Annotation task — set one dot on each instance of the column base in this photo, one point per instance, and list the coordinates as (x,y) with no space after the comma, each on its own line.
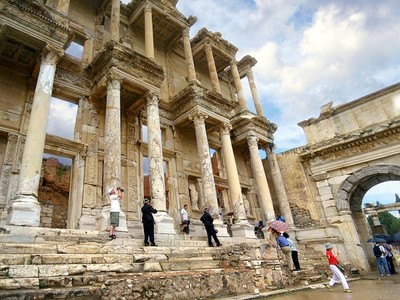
(24,211)
(87,222)
(164,224)
(243,229)
(104,220)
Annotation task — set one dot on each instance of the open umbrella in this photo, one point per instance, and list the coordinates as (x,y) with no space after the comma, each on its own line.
(376,240)
(386,237)
(279,226)
(396,237)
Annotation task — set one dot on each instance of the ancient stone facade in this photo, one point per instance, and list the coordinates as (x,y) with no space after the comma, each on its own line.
(145,91)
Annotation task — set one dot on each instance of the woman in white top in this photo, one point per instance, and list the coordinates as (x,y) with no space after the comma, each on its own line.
(115,209)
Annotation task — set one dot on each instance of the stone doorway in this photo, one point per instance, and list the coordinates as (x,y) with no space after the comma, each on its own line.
(351,194)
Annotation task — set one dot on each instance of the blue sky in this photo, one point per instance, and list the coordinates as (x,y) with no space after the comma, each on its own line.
(309,52)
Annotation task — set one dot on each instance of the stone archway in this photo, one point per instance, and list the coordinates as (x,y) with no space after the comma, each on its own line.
(352,192)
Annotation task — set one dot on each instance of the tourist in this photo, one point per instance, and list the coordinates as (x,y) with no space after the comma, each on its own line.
(295,257)
(380,257)
(115,209)
(337,274)
(284,245)
(208,222)
(148,222)
(258,230)
(185,220)
(389,258)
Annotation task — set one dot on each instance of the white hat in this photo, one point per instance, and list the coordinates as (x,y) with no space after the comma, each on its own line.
(110,190)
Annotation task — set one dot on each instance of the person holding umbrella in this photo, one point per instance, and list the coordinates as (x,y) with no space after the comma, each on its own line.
(277,228)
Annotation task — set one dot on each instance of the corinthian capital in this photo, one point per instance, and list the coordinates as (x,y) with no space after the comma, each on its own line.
(51,55)
(252,141)
(225,128)
(198,118)
(151,99)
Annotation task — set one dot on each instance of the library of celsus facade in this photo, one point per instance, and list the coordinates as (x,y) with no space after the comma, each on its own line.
(148,96)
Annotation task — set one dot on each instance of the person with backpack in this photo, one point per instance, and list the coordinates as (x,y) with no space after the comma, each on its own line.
(380,256)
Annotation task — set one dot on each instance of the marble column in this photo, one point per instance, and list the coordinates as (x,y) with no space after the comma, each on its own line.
(212,69)
(238,85)
(87,56)
(241,227)
(148,32)
(164,223)
(279,186)
(188,55)
(25,208)
(112,150)
(254,92)
(115,20)
(261,179)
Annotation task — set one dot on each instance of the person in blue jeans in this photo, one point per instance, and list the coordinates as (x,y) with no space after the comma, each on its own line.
(381,260)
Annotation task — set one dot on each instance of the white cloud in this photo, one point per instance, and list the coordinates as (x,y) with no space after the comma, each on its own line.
(62,117)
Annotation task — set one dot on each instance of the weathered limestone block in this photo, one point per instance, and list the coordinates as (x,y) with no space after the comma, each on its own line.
(152,267)
(21,271)
(20,283)
(53,270)
(26,248)
(149,257)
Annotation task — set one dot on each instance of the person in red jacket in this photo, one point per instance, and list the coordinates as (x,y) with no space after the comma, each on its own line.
(337,275)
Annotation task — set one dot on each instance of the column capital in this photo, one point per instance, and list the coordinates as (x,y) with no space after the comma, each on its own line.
(147,8)
(113,84)
(152,98)
(252,141)
(51,55)
(233,61)
(225,128)
(198,118)
(186,32)
(208,46)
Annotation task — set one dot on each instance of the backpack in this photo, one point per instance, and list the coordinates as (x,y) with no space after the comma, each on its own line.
(377,251)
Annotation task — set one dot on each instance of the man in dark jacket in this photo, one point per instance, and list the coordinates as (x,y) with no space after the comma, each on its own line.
(208,222)
(148,222)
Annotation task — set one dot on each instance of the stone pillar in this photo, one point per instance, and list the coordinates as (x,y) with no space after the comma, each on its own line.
(212,69)
(254,92)
(238,85)
(241,227)
(112,151)
(25,207)
(164,223)
(188,55)
(87,56)
(261,179)
(148,32)
(115,20)
(279,186)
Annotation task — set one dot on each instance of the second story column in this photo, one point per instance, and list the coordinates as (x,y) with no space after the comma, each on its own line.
(212,69)
(115,20)
(25,208)
(254,92)
(148,32)
(261,180)
(188,55)
(164,223)
(241,227)
(238,85)
(279,186)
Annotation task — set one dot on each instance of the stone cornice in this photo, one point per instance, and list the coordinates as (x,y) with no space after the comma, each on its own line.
(216,40)
(64,146)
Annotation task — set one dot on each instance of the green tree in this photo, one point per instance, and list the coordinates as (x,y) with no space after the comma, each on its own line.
(391,223)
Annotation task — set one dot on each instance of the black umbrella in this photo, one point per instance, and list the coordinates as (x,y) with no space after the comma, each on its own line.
(396,237)
(376,240)
(386,237)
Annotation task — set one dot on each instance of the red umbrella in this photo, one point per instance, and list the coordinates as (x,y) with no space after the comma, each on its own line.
(279,226)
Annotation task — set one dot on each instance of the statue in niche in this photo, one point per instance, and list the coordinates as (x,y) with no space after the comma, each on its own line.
(194,196)
(246,204)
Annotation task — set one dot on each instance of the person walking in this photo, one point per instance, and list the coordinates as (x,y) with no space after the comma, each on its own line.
(380,257)
(295,253)
(258,230)
(283,243)
(337,275)
(185,219)
(148,222)
(389,258)
(115,209)
(208,222)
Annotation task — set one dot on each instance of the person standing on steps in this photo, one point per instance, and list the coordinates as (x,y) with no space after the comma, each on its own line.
(115,209)
(337,275)
(148,222)
(185,219)
(295,253)
(208,222)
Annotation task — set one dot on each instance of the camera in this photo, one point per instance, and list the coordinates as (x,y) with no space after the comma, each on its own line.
(120,189)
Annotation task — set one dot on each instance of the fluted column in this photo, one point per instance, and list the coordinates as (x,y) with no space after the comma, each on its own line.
(148,32)
(254,92)
(115,20)
(238,85)
(261,179)
(279,186)
(207,176)
(188,55)
(164,223)
(212,68)
(25,208)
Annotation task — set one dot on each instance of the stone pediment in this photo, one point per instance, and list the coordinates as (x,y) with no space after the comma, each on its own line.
(131,67)
(196,97)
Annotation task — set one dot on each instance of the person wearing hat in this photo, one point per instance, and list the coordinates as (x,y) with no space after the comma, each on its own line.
(148,222)
(208,222)
(337,274)
(115,209)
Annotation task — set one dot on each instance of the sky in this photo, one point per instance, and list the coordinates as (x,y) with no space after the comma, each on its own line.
(309,52)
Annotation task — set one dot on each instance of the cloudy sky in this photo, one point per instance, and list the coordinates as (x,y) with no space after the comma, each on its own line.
(309,52)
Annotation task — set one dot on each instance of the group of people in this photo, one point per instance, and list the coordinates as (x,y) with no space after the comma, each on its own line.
(384,258)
